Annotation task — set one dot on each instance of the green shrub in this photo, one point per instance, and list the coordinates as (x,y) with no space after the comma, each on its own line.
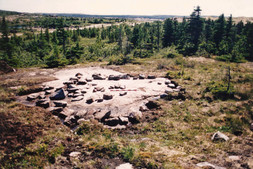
(121,60)
(235,125)
(220,90)
(128,153)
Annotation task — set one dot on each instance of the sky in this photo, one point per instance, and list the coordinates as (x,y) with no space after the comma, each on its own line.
(132,7)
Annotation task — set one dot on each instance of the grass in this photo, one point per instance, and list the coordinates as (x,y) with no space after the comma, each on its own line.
(179,138)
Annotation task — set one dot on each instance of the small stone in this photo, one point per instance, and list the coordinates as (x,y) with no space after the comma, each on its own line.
(88,79)
(78,74)
(159,83)
(48,88)
(79,98)
(32,97)
(99,100)
(113,77)
(72,90)
(151,77)
(176,90)
(81,114)
(169,90)
(83,91)
(123,93)
(107,96)
(112,121)
(75,154)
(251,126)
(171,85)
(167,82)
(141,76)
(73,79)
(43,103)
(55,110)
(135,78)
(68,83)
(234,158)
(206,164)
(48,92)
(126,77)
(125,166)
(219,136)
(123,120)
(102,115)
(162,96)
(179,87)
(42,96)
(66,113)
(98,77)
(80,121)
(60,104)
(81,82)
(90,100)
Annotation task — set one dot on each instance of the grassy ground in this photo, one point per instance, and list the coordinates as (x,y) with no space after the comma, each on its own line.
(178,135)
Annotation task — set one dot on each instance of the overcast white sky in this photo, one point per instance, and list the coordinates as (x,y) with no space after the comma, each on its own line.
(132,7)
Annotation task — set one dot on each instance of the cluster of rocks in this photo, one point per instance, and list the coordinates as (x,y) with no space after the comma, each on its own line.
(58,100)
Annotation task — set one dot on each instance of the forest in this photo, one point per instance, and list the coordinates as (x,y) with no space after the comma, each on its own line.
(123,43)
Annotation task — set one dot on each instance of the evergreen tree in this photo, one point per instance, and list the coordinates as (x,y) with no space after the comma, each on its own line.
(195,28)
(168,35)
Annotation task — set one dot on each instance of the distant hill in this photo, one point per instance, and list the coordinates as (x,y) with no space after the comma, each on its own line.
(113,16)
(3,12)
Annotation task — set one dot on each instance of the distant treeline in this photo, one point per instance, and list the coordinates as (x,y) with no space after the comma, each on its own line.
(194,36)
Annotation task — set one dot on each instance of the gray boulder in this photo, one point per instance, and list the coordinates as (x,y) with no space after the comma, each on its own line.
(58,95)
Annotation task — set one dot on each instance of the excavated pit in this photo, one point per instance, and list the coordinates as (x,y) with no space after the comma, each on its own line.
(114,99)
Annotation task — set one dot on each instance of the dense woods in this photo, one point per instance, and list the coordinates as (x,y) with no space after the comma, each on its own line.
(222,38)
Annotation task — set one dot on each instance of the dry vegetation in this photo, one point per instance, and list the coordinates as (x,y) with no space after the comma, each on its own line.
(177,136)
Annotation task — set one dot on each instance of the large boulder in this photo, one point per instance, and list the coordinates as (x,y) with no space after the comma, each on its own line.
(58,95)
